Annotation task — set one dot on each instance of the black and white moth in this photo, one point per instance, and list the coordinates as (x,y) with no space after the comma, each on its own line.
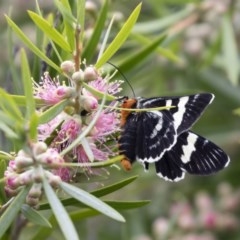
(163,137)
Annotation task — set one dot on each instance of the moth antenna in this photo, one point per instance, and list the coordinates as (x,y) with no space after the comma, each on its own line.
(119,70)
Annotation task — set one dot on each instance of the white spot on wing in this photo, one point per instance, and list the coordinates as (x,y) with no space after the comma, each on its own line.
(169,103)
(189,148)
(178,116)
(158,127)
(172,180)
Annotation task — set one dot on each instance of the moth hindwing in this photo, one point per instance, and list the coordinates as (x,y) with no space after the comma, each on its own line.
(164,137)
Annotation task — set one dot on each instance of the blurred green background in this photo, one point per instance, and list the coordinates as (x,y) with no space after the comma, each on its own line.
(205,37)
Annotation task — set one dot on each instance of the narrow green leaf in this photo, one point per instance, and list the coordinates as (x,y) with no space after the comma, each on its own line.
(90,48)
(114,187)
(9,132)
(120,38)
(105,39)
(21,100)
(3,167)
(230,50)
(91,201)
(50,31)
(97,193)
(158,25)
(167,53)
(81,17)
(68,20)
(27,84)
(141,55)
(33,125)
(9,106)
(34,216)
(43,232)
(237,111)
(30,45)
(12,211)
(85,213)
(128,204)
(65,223)
(53,111)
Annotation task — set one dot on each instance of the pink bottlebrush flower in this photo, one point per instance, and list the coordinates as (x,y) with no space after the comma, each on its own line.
(106,124)
(97,153)
(45,130)
(51,90)
(70,129)
(102,85)
(64,173)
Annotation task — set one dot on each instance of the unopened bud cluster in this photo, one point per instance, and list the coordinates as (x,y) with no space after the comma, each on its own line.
(25,170)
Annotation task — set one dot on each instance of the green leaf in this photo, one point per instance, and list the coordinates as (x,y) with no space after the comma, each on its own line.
(53,111)
(91,201)
(91,46)
(97,193)
(237,111)
(30,45)
(12,211)
(82,214)
(167,53)
(21,100)
(114,187)
(28,85)
(50,31)
(3,167)
(33,126)
(120,38)
(141,55)
(34,216)
(65,223)
(9,106)
(85,213)
(230,51)
(9,132)
(81,16)
(158,25)
(68,20)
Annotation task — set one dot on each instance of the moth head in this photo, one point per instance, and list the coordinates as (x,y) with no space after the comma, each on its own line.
(129,103)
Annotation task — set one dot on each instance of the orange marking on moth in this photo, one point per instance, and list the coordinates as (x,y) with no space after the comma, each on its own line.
(128,103)
(126,164)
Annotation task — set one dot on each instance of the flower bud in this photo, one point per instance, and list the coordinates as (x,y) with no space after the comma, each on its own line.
(54,181)
(39,147)
(51,158)
(78,76)
(89,103)
(11,192)
(90,74)
(12,181)
(90,6)
(35,191)
(37,177)
(26,177)
(68,67)
(63,92)
(32,201)
(22,162)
